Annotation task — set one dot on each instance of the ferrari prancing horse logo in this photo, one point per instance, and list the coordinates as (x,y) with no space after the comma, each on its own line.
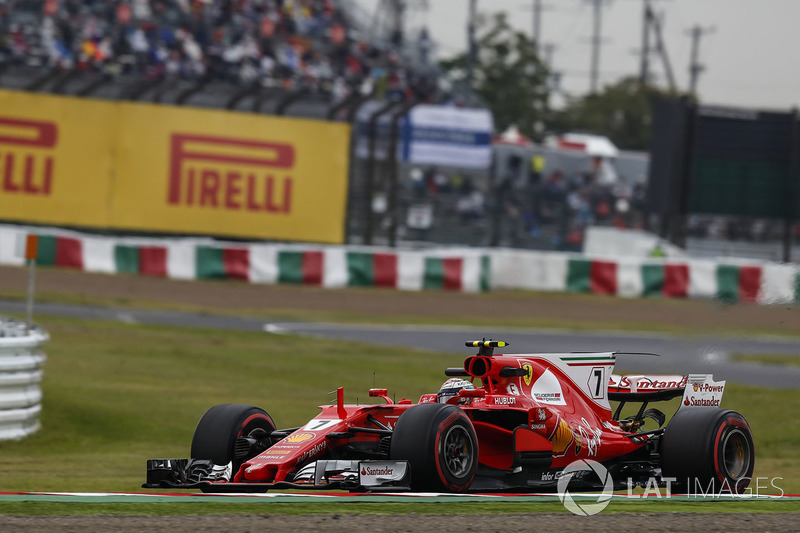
(529,376)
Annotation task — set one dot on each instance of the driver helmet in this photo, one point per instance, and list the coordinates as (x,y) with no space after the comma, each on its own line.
(450,388)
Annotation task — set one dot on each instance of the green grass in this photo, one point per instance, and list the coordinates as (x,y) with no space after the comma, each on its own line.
(767,359)
(117,394)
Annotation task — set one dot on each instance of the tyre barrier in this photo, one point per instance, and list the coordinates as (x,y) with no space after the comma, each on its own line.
(21,362)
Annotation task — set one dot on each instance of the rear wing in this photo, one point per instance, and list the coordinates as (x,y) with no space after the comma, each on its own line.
(697,390)
(645,388)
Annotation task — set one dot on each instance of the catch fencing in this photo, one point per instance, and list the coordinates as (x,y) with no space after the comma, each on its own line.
(21,362)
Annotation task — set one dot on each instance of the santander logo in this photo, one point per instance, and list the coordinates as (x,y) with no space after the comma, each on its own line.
(382,471)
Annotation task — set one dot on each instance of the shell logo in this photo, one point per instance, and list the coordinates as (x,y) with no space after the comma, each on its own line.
(562,437)
(300,437)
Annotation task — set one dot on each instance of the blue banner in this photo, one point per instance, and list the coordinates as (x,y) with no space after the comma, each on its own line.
(447,136)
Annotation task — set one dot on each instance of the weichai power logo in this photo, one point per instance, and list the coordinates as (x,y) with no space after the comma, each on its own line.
(230,174)
(26,155)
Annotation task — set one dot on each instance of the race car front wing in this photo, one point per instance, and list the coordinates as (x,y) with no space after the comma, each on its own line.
(371,476)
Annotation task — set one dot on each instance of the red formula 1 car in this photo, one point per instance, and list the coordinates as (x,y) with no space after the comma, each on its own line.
(530,418)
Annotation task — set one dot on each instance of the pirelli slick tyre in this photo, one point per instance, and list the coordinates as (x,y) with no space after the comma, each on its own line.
(440,444)
(217,430)
(708,450)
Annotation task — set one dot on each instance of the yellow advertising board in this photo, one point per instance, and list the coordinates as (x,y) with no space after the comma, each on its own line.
(228,173)
(55,159)
(168,169)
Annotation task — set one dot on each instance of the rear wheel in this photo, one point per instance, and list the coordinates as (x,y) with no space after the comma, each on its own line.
(216,432)
(440,444)
(708,450)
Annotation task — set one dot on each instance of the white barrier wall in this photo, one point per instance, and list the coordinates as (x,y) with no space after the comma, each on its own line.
(458,269)
(21,362)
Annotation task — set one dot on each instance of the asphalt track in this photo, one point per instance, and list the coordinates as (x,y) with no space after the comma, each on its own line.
(678,355)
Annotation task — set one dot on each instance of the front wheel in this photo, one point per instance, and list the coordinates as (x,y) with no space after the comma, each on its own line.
(708,450)
(216,432)
(440,444)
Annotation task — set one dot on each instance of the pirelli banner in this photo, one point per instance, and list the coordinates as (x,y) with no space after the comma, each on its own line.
(155,168)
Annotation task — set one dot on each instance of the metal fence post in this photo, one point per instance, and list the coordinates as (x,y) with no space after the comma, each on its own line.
(370,177)
(352,104)
(791,188)
(392,203)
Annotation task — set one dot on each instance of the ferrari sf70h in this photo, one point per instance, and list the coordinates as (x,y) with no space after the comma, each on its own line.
(509,422)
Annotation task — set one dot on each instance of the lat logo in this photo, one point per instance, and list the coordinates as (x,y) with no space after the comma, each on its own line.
(26,160)
(231,174)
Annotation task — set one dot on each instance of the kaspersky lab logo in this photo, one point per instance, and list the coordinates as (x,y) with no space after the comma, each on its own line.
(585,468)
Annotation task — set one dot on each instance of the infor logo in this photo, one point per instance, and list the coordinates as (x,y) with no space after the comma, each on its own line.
(585,469)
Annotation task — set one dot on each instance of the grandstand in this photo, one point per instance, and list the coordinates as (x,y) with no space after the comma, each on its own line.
(276,57)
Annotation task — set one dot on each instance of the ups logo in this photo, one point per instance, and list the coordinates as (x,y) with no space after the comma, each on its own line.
(232,174)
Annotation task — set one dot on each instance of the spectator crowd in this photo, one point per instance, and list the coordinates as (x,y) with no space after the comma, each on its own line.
(534,202)
(292,44)
(523,206)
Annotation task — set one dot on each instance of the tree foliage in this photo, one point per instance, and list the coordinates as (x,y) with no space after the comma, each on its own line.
(513,81)
(622,112)
(508,74)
